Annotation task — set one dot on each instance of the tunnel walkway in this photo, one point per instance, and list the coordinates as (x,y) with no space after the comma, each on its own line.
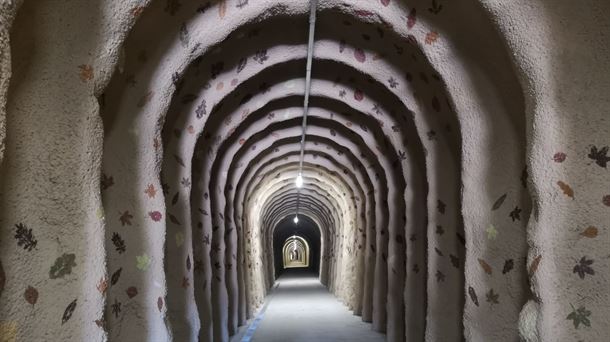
(300,308)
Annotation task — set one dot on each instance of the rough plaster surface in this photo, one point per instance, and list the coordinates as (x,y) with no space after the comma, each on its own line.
(456,165)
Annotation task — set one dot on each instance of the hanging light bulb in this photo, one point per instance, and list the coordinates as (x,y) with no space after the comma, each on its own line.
(299,181)
(296,219)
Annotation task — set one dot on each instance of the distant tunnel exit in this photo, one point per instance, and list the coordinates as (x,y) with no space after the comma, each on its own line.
(295,252)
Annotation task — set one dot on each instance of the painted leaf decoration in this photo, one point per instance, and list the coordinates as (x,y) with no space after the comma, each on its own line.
(580,316)
(534,265)
(499,202)
(584,267)
(486,267)
(590,232)
(173,219)
(222,11)
(132,291)
(567,190)
(68,312)
(492,232)
(175,198)
(31,295)
(160,304)
(143,262)
(508,266)
(492,297)
(115,276)
(473,296)
(63,265)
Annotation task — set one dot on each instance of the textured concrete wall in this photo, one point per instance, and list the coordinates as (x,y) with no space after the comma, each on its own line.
(456,165)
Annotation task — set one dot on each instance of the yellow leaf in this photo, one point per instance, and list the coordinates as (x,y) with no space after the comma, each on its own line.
(8,331)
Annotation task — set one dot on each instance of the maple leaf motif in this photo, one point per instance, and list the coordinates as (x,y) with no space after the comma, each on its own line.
(102,285)
(580,316)
(431,37)
(584,267)
(125,218)
(119,243)
(440,205)
(150,191)
(106,181)
(436,7)
(600,156)
(515,214)
(492,297)
(185,182)
(86,72)
(206,239)
(440,277)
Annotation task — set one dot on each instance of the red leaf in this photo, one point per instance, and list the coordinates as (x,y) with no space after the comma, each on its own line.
(31,295)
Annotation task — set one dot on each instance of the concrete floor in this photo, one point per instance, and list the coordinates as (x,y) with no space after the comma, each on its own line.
(301,309)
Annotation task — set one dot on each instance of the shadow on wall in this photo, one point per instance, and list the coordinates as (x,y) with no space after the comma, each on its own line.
(308,230)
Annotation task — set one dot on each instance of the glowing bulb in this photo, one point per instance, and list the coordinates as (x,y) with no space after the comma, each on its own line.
(299,181)
(296,219)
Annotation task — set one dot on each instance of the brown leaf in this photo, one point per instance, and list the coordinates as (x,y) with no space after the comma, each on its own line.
(102,286)
(534,265)
(86,72)
(590,232)
(132,291)
(567,190)
(31,295)
(485,266)
(222,8)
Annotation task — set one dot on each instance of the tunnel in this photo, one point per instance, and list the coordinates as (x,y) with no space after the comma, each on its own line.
(304,170)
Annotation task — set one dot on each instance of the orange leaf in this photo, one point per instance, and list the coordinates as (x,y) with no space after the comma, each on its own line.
(485,266)
(102,286)
(431,37)
(534,265)
(86,72)
(590,232)
(567,190)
